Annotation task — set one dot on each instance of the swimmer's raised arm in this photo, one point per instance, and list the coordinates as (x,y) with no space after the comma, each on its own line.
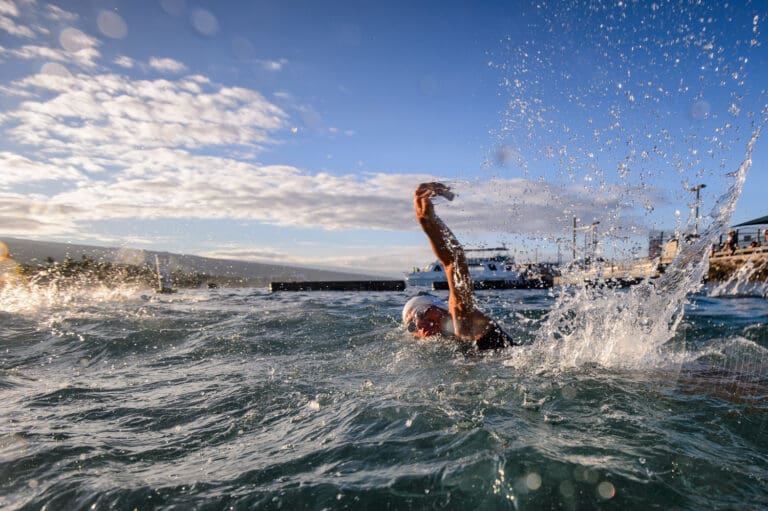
(467,320)
(444,244)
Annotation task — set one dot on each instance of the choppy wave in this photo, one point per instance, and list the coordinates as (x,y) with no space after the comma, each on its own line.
(246,399)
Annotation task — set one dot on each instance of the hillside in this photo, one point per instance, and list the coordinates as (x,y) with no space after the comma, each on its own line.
(228,271)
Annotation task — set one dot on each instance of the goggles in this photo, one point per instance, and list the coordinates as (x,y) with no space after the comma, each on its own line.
(419,313)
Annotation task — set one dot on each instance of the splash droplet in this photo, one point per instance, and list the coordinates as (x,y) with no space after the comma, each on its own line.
(173,7)
(72,39)
(55,69)
(204,22)
(112,25)
(533,481)
(606,490)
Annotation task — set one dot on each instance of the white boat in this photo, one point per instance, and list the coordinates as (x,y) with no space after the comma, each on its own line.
(490,271)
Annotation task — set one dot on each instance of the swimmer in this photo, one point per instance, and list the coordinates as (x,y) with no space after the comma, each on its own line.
(425,315)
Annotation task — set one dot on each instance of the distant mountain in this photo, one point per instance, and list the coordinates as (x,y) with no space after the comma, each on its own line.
(247,273)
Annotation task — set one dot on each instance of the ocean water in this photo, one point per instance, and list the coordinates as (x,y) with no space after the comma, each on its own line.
(245,399)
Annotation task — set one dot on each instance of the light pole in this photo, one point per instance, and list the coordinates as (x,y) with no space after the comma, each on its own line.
(573,244)
(594,238)
(590,231)
(696,189)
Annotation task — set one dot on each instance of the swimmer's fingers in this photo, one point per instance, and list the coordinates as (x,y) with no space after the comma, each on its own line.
(424,191)
(443,190)
(427,190)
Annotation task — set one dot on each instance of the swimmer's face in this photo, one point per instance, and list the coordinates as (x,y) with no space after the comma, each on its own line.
(426,321)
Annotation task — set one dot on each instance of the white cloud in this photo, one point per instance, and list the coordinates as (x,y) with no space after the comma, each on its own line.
(74,40)
(273,65)
(335,131)
(15,170)
(140,137)
(78,48)
(123,61)
(167,65)
(164,183)
(105,114)
(55,13)
(108,147)
(8,10)
(32,215)
(175,184)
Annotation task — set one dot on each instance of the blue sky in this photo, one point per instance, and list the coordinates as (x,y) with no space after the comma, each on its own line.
(295,132)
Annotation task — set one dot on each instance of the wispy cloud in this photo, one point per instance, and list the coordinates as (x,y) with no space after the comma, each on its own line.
(166,65)
(18,170)
(84,58)
(176,184)
(106,114)
(8,25)
(77,48)
(33,215)
(113,148)
(56,13)
(8,8)
(273,65)
(125,62)
(9,11)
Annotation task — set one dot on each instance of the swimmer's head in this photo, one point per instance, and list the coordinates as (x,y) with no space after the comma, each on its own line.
(425,315)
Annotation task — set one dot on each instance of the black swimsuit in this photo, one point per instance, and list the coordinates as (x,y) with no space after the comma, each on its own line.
(494,339)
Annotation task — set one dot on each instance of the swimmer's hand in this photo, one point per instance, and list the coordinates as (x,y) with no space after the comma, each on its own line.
(422,201)
(433,189)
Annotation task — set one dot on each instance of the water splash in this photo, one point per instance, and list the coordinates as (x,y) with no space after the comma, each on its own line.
(631,328)
(25,298)
(743,282)
(651,102)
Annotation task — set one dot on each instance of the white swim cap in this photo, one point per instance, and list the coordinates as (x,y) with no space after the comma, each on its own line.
(422,301)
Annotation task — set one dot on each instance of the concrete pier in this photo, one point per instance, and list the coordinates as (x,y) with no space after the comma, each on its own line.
(339,285)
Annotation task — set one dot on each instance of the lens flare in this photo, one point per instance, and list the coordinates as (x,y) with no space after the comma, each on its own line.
(112,25)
